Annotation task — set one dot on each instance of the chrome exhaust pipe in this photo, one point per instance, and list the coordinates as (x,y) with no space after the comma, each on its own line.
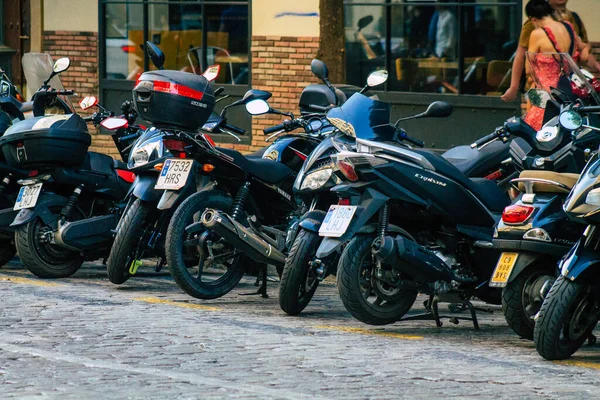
(241,237)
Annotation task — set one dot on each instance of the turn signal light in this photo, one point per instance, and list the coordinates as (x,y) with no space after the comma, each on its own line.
(208,168)
(158,166)
(517,214)
(347,169)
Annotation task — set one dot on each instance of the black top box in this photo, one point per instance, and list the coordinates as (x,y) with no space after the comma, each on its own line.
(174,99)
(46,142)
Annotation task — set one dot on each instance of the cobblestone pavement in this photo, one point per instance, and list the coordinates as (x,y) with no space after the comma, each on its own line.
(83,338)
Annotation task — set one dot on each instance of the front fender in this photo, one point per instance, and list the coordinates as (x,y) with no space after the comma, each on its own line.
(41,210)
(580,260)
(312,220)
(143,188)
(370,202)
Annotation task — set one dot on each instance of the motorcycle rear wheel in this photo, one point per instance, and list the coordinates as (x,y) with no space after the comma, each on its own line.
(44,260)
(127,241)
(357,284)
(568,316)
(190,210)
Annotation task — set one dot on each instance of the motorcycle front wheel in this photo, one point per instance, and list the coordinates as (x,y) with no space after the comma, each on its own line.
(215,275)
(568,316)
(127,241)
(40,256)
(367,298)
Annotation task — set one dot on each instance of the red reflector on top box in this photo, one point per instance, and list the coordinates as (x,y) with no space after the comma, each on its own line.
(174,99)
(180,90)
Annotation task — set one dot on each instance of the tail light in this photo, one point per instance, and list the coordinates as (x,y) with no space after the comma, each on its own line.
(128,49)
(517,214)
(344,202)
(347,168)
(176,147)
(127,176)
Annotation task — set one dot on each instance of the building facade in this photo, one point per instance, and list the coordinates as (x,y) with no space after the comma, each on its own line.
(268,45)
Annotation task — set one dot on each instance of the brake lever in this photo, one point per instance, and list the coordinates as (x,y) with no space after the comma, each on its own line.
(232,134)
(221,98)
(273,135)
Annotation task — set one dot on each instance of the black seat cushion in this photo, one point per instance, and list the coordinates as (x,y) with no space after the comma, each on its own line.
(118,164)
(474,162)
(266,170)
(490,194)
(99,162)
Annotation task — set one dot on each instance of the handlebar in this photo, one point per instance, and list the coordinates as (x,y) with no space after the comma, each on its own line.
(588,109)
(128,137)
(488,138)
(65,92)
(416,142)
(274,128)
(234,129)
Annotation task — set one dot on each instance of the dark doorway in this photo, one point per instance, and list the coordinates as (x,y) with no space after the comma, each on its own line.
(16,31)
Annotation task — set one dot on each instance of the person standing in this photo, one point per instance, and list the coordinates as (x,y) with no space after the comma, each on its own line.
(562,14)
(442,31)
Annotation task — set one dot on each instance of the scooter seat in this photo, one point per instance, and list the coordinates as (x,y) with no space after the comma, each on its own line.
(489,194)
(476,162)
(564,178)
(266,170)
(118,164)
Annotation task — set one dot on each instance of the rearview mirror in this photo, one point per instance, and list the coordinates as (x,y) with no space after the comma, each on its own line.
(155,54)
(538,97)
(570,120)
(257,107)
(212,72)
(254,94)
(377,78)
(364,21)
(438,109)
(114,123)
(319,69)
(61,65)
(88,102)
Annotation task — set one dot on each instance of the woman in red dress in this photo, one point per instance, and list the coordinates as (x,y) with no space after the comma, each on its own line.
(550,36)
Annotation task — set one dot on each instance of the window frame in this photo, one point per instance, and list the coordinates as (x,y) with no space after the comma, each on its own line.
(459,4)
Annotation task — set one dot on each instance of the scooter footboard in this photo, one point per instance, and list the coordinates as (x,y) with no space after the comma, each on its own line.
(87,234)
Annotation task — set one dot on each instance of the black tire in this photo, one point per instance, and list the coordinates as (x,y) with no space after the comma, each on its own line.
(293,296)
(355,297)
(44,260)
(7,251)
(555,336)
(521,300)
(127,241)
(176,236)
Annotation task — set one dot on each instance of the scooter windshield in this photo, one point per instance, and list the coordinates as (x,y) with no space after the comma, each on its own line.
(364,118)
(37,67)
(547,69)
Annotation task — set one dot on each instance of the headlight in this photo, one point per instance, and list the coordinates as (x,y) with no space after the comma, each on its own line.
(316,179)
(140,157)
(593,197)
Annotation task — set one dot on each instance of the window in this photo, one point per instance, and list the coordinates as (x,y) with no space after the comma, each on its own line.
(443,46)
(179,28)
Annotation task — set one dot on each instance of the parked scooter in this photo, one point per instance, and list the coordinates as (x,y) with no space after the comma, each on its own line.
(69,204)
(571,309)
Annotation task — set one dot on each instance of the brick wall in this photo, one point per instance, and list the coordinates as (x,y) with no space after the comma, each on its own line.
(82,75)
(280,65)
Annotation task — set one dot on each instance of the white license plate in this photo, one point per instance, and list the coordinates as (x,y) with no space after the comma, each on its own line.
(28,196)
(174,174)
(337,221)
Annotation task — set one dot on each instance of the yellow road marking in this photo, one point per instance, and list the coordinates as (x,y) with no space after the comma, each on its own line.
(27,281)
(582,364)
(369,332)
(156,300)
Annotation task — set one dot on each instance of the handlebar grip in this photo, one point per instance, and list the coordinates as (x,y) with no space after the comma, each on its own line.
(274,129)
(416,142)
(319,108)
(89,119)
(484,140)
(66,92)
(234,129)
(590,109)
(128,137)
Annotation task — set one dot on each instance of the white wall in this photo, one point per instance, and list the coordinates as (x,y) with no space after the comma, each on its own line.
(71,15)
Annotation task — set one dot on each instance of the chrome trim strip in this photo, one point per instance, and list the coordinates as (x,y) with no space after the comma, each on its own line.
(416,158)
(539,180)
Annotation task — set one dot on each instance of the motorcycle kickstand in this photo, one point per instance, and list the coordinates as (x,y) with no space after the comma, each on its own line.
(262,290)
(435,312)
(473,315)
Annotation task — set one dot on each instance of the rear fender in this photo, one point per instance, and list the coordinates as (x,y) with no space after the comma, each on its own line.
(370,202)
(41,210)
(524,260)
(580,262)
(172,198)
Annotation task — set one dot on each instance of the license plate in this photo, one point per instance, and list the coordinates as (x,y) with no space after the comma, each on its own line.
(505,265)
(174,174)
(28,196)
(337,221)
